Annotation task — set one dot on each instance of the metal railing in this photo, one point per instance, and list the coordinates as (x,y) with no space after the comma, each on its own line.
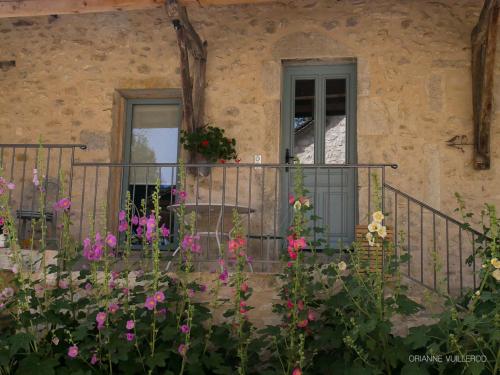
(343,197)
(18,162)
(438,245)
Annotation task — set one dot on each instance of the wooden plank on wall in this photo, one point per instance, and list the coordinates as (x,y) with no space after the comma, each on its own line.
(31,8)
(483,41)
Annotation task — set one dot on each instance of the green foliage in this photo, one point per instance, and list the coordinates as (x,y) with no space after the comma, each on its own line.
(210,142)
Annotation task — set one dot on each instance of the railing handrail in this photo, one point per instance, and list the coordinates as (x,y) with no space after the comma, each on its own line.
(44,145)
(433,210)
(234,165)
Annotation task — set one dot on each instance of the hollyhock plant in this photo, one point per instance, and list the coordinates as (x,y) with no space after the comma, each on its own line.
(111,240)
(130,336)
(150,303)
(113,308)
(159,296)
(63,204)
(100,319)
(130,324)
(185,328)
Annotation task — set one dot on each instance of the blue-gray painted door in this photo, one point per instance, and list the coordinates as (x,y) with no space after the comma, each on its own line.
(318,129)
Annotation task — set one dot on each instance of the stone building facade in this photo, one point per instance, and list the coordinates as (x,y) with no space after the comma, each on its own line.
(413,73)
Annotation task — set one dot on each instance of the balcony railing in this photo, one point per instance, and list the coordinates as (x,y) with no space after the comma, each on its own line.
(343,198)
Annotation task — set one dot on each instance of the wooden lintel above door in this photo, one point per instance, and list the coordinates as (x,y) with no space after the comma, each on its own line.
(32,8)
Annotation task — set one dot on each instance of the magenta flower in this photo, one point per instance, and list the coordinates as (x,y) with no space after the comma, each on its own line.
(130,324)
(142,221)
(100,319)
(130,336)
(115,275)
(165,232)
(159,296)
(185,328)
(113,308)
(224,276)
(150,303)
(94,359)
(88,286)
(191,243)
(135,220)
(63,284)
(73,351)
(122,215)
(11,186)
(111,240)
(291,199)
(2,221)
(63,204)
(122,227)
(182,349)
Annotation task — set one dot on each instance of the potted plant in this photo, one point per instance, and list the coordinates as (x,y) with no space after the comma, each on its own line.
(210,145)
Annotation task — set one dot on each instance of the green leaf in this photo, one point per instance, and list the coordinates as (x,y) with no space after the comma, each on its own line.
(20,340)
(33,364)
(413,369)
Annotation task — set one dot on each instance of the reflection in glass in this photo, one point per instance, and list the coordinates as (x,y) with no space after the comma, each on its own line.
(155,138)
(335,121)
(303,121)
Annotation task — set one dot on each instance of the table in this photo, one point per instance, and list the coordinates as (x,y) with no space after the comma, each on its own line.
(208,209)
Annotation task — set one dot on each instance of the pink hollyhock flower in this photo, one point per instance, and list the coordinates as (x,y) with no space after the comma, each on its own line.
(111,240)
(150,303)
(185,328)
(190,293)
(11,186)
(112,285)
(182,195)
(8,292)
(63,204)
(63,284)
(115,275)
(73,351)
(297,371)
(142,221)
(135,220)
(311,316)
(224,276)
(159,296)
(243,306)
(2,306)
(122,215)
(130,324)
(88,286)
(182,349)
(113,308)
(289,264)
(289,304)
(94,359)
(165,232)
(302,323)
(292,254)
(300,305)
(291,199)
(100,319)
(130,336)
(139,232)
(125,291)
(122,227)
(162,311)
(2,221)
(244,287)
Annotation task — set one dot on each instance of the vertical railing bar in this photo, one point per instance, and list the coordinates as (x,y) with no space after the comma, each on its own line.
(70,187)
(133,170)
(275,213)
(58,185)
(37,155)
(1,157)
(224,175)
(382,208)
(249,197)
(197,192)
(435,248)
(421,244)
(262,215)
(409,239)
(315,203)
(12,171)
(83,202)
(209,211)
(22,187)
(473,262)
(447,257)
(237,183)
(328,222)
(94,211)
(47,173)
(395,224)
(460,254)
(171,216)
(369,193)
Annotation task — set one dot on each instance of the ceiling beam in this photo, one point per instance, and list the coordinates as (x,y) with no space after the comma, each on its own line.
(32,8)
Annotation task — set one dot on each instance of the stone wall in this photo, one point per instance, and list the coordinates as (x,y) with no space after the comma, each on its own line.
(414,85)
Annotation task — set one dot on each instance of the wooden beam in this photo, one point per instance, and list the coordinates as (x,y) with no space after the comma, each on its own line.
(32,8)
(483,41)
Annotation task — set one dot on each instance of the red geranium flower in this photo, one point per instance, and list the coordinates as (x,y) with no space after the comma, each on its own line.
(204,143)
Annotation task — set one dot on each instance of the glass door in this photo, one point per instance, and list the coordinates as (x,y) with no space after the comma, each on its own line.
(319,128)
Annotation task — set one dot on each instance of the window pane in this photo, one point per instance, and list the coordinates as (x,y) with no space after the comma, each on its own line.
(335,121)
(303,121)
(155,139)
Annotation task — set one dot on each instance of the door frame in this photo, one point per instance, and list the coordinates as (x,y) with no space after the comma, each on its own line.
(290,73)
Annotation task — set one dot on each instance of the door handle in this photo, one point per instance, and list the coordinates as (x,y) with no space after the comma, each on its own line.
(287,156)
